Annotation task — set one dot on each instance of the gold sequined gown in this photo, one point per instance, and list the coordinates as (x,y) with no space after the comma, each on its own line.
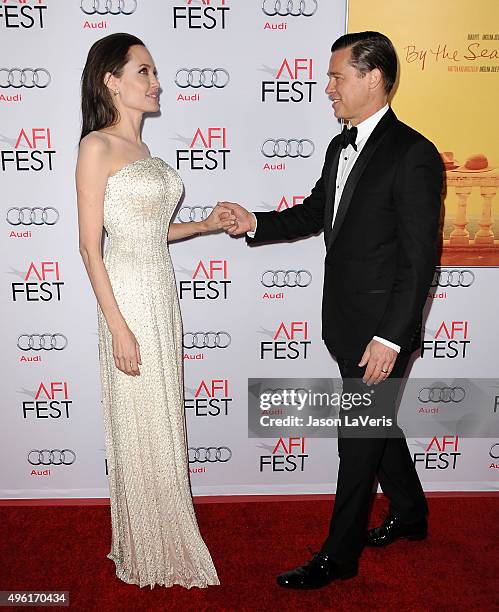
(155,536)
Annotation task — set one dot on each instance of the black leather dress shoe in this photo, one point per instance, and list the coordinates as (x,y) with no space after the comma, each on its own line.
(393,529)
(318,572)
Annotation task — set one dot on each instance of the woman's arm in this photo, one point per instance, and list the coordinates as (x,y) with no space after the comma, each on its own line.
(92,172)
(218,219)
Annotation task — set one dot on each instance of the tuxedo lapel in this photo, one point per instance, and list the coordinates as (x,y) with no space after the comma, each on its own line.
(353,178)
(330,189)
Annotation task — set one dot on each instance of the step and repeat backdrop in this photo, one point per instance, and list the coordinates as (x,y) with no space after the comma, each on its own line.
(243,118)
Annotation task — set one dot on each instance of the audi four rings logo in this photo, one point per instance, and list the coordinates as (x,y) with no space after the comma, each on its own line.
(42,342)
(293,147)
(286,278)
(494,451)
(32,216)
(453,278)
(193,213)
(52,457)
(209,454)
(295,8)
(108,7)
(206,340)
(24,77)
(202,77)
(442,394)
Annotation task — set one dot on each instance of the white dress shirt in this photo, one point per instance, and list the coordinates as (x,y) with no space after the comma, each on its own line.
(348,157)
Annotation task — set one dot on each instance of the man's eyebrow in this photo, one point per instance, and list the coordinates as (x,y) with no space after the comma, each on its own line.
(333,73)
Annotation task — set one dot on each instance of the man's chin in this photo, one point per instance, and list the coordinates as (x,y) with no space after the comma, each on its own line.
(337,112)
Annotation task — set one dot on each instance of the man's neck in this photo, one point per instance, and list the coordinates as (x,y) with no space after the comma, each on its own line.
(372,110)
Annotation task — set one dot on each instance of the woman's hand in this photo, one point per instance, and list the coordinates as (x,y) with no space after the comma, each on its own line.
(219,219)
(245,220)
(126,352)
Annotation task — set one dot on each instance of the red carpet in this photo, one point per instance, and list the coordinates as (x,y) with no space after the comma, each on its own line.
(457,568)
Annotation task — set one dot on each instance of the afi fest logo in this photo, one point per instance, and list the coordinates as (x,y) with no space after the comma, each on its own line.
(210,281)
(449,342)
(440,454)
(289,341)
(32,150)
(283,203)
(51,401)
(211,15)
(292,82)
(42,283)
(207,150)
(211,398)
(22,14)
(285,456)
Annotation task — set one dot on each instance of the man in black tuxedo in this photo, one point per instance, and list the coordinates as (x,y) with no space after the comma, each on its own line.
(378,202)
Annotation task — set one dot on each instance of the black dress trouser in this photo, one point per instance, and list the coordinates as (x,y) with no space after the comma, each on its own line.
(362,459)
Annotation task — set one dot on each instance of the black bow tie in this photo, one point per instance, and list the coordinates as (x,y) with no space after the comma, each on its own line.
(349,136)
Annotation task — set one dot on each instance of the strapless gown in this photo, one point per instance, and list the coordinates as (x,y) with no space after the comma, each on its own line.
(155,536)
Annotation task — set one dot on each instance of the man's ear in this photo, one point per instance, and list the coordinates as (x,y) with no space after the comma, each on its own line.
(375,78)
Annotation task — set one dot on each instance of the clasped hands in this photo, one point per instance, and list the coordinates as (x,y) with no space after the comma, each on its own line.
(230,217)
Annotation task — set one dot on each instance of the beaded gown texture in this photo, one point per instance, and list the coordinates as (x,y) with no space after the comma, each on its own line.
(155,536)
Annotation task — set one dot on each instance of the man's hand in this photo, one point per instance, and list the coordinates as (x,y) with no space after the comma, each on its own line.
(380,360)
(244,219)
(219,218)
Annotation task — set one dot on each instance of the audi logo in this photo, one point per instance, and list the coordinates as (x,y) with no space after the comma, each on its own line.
(453,278)
(202,77)
(193,213)
(24,77)
(52,457)
(288,148)
(32,216)
(494,451)
(209,454)
(295,8)
(108,7)
(442,394)
(206,340)
(42,342)
(286,278)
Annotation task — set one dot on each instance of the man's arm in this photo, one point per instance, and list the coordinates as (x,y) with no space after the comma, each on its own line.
(417,193)
(296,222)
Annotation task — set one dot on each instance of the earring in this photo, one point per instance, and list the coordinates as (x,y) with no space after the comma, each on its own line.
(116,92)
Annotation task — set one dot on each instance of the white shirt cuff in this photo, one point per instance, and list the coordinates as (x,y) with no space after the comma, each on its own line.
(395,347)
(252,234)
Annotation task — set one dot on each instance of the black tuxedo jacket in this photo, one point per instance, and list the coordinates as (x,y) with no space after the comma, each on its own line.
(381,253)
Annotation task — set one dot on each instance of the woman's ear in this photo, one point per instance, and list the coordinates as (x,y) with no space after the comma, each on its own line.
(110,83)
